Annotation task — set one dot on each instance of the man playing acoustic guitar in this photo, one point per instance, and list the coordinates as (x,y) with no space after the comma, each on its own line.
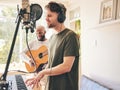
(36,58)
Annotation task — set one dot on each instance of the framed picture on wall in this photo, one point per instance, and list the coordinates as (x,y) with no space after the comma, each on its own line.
(118,9)
(108,10)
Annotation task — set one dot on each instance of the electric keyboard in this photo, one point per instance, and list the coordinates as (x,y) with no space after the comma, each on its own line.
(20,83)
(16,82)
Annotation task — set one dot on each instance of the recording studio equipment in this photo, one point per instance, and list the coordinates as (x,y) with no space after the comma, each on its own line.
(61,16)
(17,82)
(29,14)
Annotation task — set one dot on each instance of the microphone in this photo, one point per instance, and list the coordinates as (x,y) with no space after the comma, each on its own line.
(26,11)
(30,13)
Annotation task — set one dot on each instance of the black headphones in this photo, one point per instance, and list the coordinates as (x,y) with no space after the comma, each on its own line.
(61,15)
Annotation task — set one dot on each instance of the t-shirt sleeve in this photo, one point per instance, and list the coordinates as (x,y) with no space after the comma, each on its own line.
(72,45)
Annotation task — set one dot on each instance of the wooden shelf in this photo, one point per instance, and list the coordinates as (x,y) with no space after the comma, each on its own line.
(75,13)
(75,19)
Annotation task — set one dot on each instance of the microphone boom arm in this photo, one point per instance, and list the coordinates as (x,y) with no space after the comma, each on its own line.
(3,83)
(36,12)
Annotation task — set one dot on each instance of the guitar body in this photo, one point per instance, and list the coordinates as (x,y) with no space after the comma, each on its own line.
(38,61)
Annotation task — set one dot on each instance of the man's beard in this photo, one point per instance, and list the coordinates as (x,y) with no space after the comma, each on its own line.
(51,26)
(42,38)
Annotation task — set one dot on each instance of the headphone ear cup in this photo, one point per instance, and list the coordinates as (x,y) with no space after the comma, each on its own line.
(61,18)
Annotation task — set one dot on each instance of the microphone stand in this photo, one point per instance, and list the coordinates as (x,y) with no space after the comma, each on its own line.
(3,83)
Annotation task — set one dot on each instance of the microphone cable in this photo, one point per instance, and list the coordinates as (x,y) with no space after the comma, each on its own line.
(30,50)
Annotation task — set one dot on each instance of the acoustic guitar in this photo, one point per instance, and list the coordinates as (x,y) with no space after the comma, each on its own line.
(36,58)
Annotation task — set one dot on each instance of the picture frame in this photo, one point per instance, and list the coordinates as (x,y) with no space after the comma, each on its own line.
(108,10)
(118,9)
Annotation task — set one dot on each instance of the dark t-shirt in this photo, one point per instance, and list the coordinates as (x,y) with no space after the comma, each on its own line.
(65,43)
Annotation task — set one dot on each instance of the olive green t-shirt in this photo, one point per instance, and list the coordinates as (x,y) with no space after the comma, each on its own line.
(65,43)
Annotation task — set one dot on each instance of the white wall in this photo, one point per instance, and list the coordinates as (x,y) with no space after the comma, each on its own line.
(100,46)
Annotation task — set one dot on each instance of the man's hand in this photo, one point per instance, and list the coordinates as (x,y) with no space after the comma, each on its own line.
(32,63)
(35,80)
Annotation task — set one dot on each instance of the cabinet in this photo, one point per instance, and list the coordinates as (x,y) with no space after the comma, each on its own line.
(75,23)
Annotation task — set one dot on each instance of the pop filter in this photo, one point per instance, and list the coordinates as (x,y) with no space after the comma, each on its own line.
(35,11)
